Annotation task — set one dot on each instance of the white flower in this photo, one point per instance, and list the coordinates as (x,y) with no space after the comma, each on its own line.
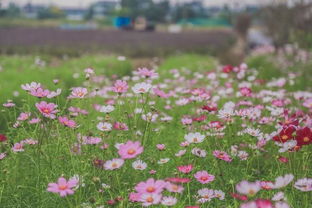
(283,181)
(205,194)
(168,201)
(248,188)
(31,86)
(242,155)
(150,117)
(139,165)
(104,126)
(278,196)
(141,88)
(281,205)
(304,184)
(180,153)
(163,161)
(107,108)
(288,145)
(113,164)
(53,94)
(219,194)
(199,152)
(194,137)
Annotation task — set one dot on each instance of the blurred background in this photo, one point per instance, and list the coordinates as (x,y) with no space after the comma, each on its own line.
(228,29)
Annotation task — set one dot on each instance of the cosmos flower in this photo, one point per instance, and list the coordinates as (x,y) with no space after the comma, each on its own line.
(113,164)
(120,86)
(130,149)
(48,110)
(63,187)
(203,177)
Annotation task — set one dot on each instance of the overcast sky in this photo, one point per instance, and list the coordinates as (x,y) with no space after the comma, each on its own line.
(84,3)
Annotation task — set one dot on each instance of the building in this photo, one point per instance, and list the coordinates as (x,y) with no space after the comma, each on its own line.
(75,14)
(31,11)
(103,8)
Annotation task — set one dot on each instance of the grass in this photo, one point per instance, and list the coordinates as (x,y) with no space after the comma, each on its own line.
(25,175)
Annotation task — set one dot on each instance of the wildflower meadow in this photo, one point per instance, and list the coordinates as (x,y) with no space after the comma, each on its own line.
(79,134)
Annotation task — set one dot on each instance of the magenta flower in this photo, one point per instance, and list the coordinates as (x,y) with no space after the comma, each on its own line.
(130,150)
(63,187)
(47,109)
(23,116)
(185,168)
(203,177)
(66,122)
(120,86)
(151,186)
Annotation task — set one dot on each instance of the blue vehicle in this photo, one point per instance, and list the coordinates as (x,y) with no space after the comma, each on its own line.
(123,23)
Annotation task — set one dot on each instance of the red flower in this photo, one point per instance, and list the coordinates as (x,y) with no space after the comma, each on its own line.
(209,108)
(239,197)
(285,135)
(227,69)
(3,138)
(200,118)
(304,136)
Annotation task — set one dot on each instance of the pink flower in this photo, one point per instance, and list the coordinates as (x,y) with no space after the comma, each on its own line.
(47,109)
(66,122)
(248,188)
(245,91)
(63,187)
(222,155)
(31,86)
(151,186)
(120,126)
(203,177)
(144,72)
(120,86)
(18,147)
(78,92)
(160,146)
(259,203)
(130,150)
(2,155)
(185,168)
(134,197)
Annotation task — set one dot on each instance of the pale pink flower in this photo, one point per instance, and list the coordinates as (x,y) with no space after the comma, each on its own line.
(169,201)
(172,187)
(78,92)
(222,155)
(47,109)
(104,126)
(130,149)
(53,94)
(146,73)
(2,155)
(63,187)
(141,88)
(203,177)
(120,86)
(113,164)
(39,92)
(34,121)
(31,86)
(248,188)
(148,199)
(23,116)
